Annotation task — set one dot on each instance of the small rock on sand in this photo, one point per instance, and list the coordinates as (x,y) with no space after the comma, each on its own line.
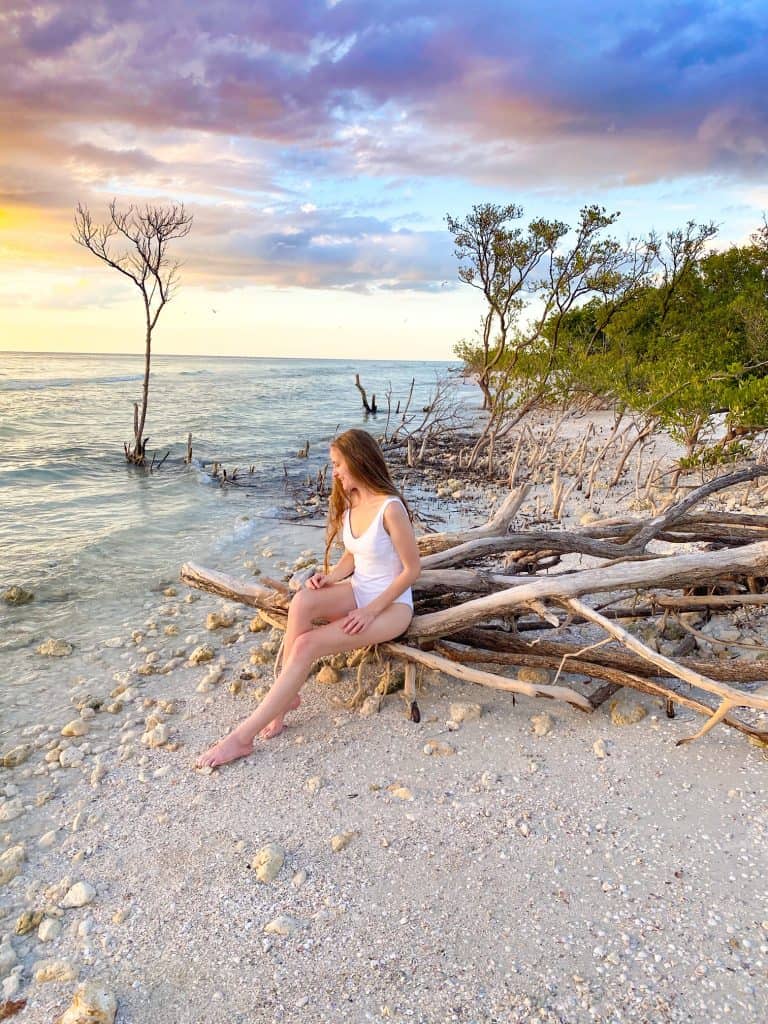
(438,748)
(220,620)
(10,809)
(282,925)
(79,895)
(268,862)
(91,1005)
(77,727)
(15,756)
(533,675)
(627,712)
(464,712)
(54,648)
(341,840)
(200,654)
(16,596)
(53,970)
(600,749)
(541,724)
(327,675)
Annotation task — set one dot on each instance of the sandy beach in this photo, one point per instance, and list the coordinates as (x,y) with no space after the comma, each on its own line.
(541,865)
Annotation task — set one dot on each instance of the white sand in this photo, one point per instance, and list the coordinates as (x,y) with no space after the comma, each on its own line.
(526,880)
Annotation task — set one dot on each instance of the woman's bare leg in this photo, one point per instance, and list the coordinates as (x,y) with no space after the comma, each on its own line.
(307,606)
(307,648)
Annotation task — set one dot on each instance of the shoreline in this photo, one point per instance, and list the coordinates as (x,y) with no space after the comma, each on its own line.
(523,876)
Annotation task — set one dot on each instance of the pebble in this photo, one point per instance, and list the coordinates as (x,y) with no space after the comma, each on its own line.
(533,675)
(627,712)
(55,648)
(8,957)
(78,895)
(600,749)
(201,654)
(327,675)
(400,792)
(53,970)
(541,724)
(268,862)
(314,784)
(71,757)
(282,925)
(48,839)
(49,929)
(341,840)
(220,620)
(17,596)
(465,712)
(91,1005)
(437,747)
(11,809)
(16,756)
(371,705)
(77,727)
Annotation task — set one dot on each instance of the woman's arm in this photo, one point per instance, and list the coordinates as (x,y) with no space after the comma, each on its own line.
(399,528)
(343,568)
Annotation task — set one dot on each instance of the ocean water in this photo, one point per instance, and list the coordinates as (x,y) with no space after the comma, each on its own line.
(95,539)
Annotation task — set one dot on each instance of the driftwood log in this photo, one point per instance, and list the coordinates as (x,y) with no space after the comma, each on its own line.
(473,619)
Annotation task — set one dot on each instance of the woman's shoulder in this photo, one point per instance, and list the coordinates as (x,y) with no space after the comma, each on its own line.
(393,508)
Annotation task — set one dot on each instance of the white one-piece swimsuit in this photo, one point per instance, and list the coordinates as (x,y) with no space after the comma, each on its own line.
(376,561)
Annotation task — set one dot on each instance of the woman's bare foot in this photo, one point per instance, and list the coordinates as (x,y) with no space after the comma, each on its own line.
(226,750)
(276,726)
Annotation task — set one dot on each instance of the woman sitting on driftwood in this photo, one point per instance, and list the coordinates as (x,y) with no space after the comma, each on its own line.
(364,600)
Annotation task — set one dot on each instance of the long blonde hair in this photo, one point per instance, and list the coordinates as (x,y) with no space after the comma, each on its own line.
(366,463)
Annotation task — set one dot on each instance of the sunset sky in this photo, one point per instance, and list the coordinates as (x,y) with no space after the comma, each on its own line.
(320,145)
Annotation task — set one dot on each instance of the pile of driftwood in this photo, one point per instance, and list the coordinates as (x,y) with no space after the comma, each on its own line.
(470,617)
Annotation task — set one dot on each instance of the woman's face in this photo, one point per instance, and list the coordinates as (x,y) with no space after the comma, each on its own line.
(341,471)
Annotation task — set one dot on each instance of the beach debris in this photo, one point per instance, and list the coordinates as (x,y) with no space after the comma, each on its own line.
(71,757)
(258,624)
(49,929)
(11,808)
(16,755)
(77,727)
(399,791)
(438,748)
(600,749)
(268,862)
(341,840)
(78,895)
(282,925)
(16,596)
(53,970)
(8,956)
(91,1004)
(313,784)
(201,654)
(10,1007)
(28,921)
(371,705)
(327,675)
(457,626)
(541,724)
(53,648)
(627,712)
(533,675)
(461,711)
(220,620)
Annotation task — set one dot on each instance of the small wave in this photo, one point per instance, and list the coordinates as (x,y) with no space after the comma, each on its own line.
(65,382)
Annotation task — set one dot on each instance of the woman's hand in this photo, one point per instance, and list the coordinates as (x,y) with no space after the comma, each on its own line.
(317,581)
(357,620)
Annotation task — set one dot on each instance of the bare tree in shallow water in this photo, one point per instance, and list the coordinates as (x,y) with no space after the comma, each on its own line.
(135,242)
